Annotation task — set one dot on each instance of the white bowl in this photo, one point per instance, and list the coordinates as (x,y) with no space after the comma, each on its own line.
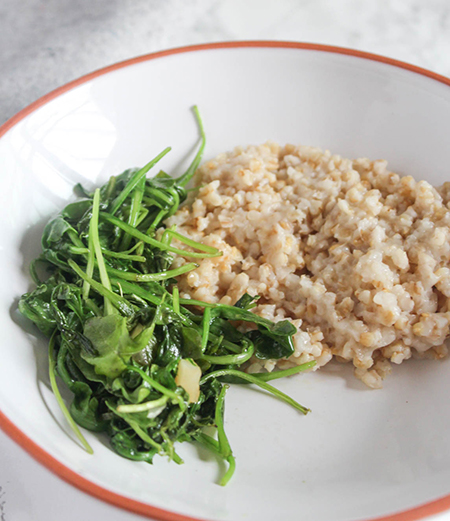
(360,454)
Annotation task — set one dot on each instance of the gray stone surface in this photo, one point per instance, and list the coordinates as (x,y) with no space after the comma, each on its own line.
(46,43)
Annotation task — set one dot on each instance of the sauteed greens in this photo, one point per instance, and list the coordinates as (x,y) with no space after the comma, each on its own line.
(144,365)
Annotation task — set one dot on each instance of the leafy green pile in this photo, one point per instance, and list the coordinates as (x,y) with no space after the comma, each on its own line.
(121,336)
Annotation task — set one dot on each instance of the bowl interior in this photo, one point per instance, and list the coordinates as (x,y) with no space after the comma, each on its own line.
(361,453)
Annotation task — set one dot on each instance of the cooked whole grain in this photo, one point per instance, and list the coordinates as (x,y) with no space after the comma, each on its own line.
(355,255)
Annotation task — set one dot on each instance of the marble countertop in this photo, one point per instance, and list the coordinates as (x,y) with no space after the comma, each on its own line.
(46,43)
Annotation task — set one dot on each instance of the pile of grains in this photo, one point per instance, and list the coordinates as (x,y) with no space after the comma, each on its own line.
(355,255)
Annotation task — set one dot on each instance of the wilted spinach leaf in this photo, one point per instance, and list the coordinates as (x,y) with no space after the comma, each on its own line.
(132,355)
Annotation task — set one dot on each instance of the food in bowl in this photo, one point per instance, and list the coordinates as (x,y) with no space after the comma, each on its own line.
(282,256)
(356,256)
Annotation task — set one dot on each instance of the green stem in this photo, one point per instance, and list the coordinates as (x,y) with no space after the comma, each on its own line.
(176,299)
(123,255)
(93,234)
(231,469)
(255,380)
(170,450)
(76,250)
(130,288)
(156,385)
(205,328)
(153,242)
(193,302)
(62,405)
(224,445)
(208,442)
(93,307)
(186,177)
(238,359)
(148,277)
(117,301)
(90,263)
(166,238)
(141,217)
(110,187)
(131,250)
(150,201)
(176,458)
(155,193)
(266,377)
(156,221)
(75,239)
(176,202)
(136,177)
(134,212)
(189,242)
(133,289)
(143,435)
(140,407)
(135,426)
(126,255)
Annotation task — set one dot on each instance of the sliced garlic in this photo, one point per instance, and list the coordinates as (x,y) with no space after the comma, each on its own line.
(188,377)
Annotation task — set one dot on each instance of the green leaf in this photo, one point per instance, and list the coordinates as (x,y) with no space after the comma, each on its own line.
(85,408)
(222,327)
(246,302)
(268,346)
(274,343)
(75,211)
(192,343)
(55,389)
(112,343)
(132,448)
(36,307)
(137,395)
(168,348)
(54,231)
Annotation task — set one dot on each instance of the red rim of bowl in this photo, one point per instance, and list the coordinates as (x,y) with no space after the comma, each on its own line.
(420,512)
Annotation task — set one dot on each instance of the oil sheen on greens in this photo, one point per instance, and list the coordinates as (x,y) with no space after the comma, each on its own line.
(144,366)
